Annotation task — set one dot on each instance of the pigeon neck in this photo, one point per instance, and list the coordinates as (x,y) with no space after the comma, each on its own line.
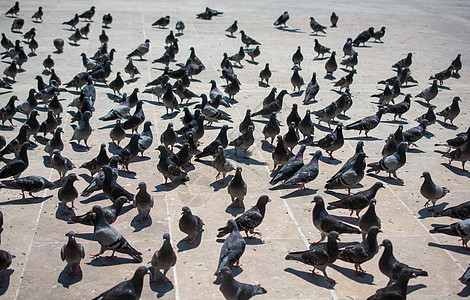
(227,281)
(138,281)
(300,154)
(235,232)
(24,155)
(332,249)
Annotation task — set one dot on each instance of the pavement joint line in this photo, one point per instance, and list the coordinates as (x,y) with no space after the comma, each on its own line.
(175,274)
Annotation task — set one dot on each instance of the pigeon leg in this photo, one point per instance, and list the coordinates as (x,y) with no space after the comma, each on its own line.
(359,271)
(349,191)
(4,274)
(463,166)
(154,278)
(24,197)
(330,153)
(237,265)
(313,272)
(77,269)
(95,255)
(351,212)
(244,151)
(15,125)
(71,270)
(111,256)
(217,176)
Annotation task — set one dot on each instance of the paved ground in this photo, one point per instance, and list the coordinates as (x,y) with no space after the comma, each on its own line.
(434,31)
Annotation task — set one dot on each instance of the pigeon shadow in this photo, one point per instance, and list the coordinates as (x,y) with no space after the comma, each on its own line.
(262,84)
(58,52)
(179,34)
(412,288)
(329,77)
(351,274)
(170,116)
(217,186)
(97,197)
(67,280)
(414,150)
(22,201)
(443,87)
(349,219)
(426,212)
(446,125)
(343,117)
(423,103)
(139,225)
(46,160)
(184,245)
(317,280)
(297,94)
(395,122)
(361,138)
(320,58)
(113,97)
(323,128)
(159,287)
(268,147)
(86,236)
(456,170)
(330,161)
(336,194)
(5,283)
(386,179)
(453,248)
(79,148)
(74,45)
(235,211)
(64,212)
(465,292)
(252,62)
(6,92)
(293,30)
(127,174)
(455,75)
(105,261)
(230,36)
(131,80)
(300,193)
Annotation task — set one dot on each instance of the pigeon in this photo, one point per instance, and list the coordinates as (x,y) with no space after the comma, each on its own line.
(462,154)
(316,27)
(326,223)
(296,80)
(68,193)
(75,37)
(85,30)
(363,252)
(391,163)
(143,201)
(78,80)
(390,147)
(30,184)
(396,290)
(405,62)
(117,84)
(232,88)
(291,138)
(169,100)
(358,201)
(8,111)
(349,177)
(48,63)
(265,74)
(274,106)
(72,22)
(14,146)
(15,167)
(460,229)
(385,97)
(450,112)
(96,163)
(6,43)
(190,224)
(83,131)
(59,44)
(326,114)
(345,81)
(248,40)
(11,71)
(431,191)
(232,28)
(307,173)
(294,116)
(164,258)
(367,123)
(306,126)
(221,164)
(110,213)
(97,181)
(363,37)
(212,148)
(61,164)
(239,56)
(331,66)
(294,164)
(319,257)
(5,85)
(312,89)
(457,64)
(235,290)
(146,138)
(107,20)
(141,50)
(237,187)
(379,34)
(73,253)
(17,25)
(282,20)
(180,27)
(162,22)
(443,75)
(169,137)
(131,69)
(213,114)
(348,48)
(332,141)
(465,278)
(391,267)
(461,211)
(5,262)
(334,19)
(350,61)
(14,9)
(244,141)
(111,189)
(110,239)
(400,108)
(253,53)
(170,38)
(414,134)
(30,34)
(232,249)
(117,133)
(88,14)
(297,58)
(343,103)
(56,107)
(429,93)
(130,152)
(369,219)
(169,169)
(129,289)
(271,129)
(320,49)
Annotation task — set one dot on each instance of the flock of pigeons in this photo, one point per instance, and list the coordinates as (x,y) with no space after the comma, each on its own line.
(173,162)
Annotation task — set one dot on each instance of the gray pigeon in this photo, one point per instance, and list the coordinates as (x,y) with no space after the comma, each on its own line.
(244,141)
(59,44)
(130,152)
(461,211)
(457,64)
(169,137)
(235,290)
(221,164)
(96,163)
(460,229)
(400,108)
(274,106)
(296,80)
(117,84)
(290,167)
(49,125)
(465,278)
(136,119)
(390,146)
(316,27)
(320,257)
(349,177)
(451,112)
(248,40)
(443,75)
(429,115)
(162,22)
(232,249)
(8,111)
(141,50)
(332,141)
(73,253)
(239,56)
(358,201)
(369,219)
(307,173)
(131,69)
(462,154)
(280,154)
(146,138)
(363,252)
(454,143)
(326,223)
(414,134)
(367,123)
(143,201)
(110,213)
(232,28)
(405,62)
(111,189)
(117,133)
(429,93)
(11,71)
(291,138)
(363,37)
(334,19)
(110,239)
(331,66)
(391,267)
(326,114)
(61,164)
(190,224)
(306,127)
(350,61)
(17,166)
(30,184)
(386,96)
(163,259)
(169,100)
(391,163)
(312,89)
(180,27)
(13,10)
(83,131)
(282,20)
(253,53)
(346,81)
(29,104)
(265,74)
(297,58)
(72,22)
(396,290)
(169,169)
(130,289)
(237,187)
(271,129)
(5,262)
(431,191)
(33,124)
(68,193)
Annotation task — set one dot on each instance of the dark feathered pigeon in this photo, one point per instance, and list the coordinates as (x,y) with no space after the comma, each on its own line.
(450,112)
(282,20)
(232,249)
(129,289)
(73,253)
(30,184)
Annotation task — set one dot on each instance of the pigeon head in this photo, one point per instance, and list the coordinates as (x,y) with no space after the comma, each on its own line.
(142,185)
(166,237)
(70,234)
(378,185)
(318,200)
(360,147)
(373,231)
(426,175)
(140,272)
(373,202)
(147,125)
(226,272)
(250,129)
(98,210)
(186,210)
(72,178)
(334,235)
(263,200)
(403,145)
(232,225)
(317,154)
(56,152)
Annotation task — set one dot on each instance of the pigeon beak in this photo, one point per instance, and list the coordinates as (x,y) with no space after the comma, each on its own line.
(338,239)
(380,231)
(421,176)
